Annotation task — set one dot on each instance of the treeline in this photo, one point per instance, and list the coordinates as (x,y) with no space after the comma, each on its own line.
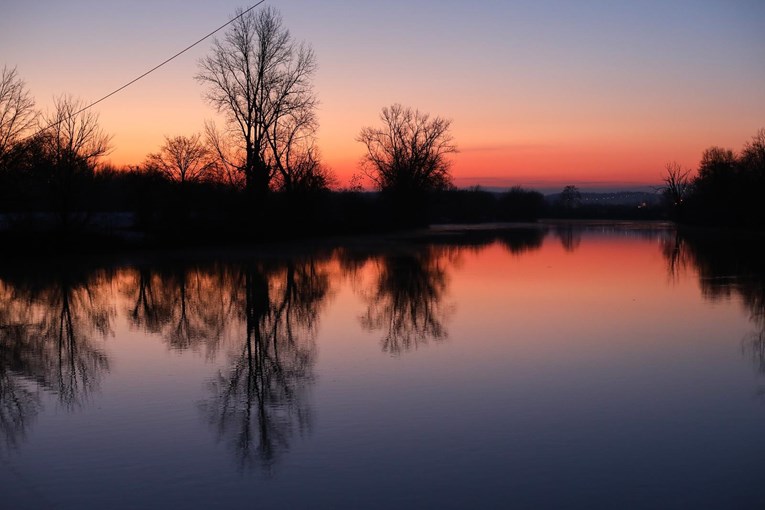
(726,190)
(136,204)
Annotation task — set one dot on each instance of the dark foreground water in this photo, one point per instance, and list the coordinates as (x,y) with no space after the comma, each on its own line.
(544,367)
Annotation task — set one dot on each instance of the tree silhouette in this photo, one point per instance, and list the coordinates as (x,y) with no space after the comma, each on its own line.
(71,145)
(570,197)
(260,79)
(17,112)
(182,159)
(408,155)
(753,155)
(677,184)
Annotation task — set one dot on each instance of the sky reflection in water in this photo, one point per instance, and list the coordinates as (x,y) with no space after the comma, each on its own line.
(541,366)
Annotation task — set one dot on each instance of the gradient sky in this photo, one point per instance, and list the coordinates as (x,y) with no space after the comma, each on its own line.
(541,93)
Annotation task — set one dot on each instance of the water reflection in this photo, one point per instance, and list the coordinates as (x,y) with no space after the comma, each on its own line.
(569,235)
(406,301)
(407,295)
(260,402)
(523,240)
(187,306)
(728,265)
(262,312)
(49,327)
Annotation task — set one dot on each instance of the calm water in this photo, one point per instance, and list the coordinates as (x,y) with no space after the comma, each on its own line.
(546,367)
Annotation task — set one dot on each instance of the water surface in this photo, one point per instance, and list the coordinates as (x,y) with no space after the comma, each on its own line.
(597,366)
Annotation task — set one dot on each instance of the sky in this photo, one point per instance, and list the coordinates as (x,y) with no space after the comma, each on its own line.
(545,93)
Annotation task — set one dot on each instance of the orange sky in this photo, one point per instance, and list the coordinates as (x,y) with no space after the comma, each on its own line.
(540,94)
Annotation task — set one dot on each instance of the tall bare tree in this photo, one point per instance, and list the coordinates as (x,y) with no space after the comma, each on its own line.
(408,154)
(259,78)
(17,110)
(182,159)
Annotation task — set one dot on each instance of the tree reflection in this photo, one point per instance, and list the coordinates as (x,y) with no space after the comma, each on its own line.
(150,309)
(728,265)
(570,236)
(48,328)
(259,403)
(406,295)
(19,399)
(186,306)
(406,302)
(522,240)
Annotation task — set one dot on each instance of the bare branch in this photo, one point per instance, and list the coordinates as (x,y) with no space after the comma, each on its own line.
(409,153)
(261,81)
(183,159)
(17,110)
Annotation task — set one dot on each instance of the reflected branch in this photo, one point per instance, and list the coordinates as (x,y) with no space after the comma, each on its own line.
(260,402)
(406,302)
(732,265)
(47,330)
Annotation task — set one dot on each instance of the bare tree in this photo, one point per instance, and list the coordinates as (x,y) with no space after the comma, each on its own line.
(305,172)
(73,136)
(183,159)
(677,183)
(260,80)
(72,145)
(409,153)
(17,110)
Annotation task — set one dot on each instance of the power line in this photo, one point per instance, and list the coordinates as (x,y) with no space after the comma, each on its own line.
(184,50)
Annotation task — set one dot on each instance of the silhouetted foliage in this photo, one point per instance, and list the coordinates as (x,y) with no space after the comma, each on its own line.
(17,113)
(407,158)
(729,187)
(183,159)
(476,205)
